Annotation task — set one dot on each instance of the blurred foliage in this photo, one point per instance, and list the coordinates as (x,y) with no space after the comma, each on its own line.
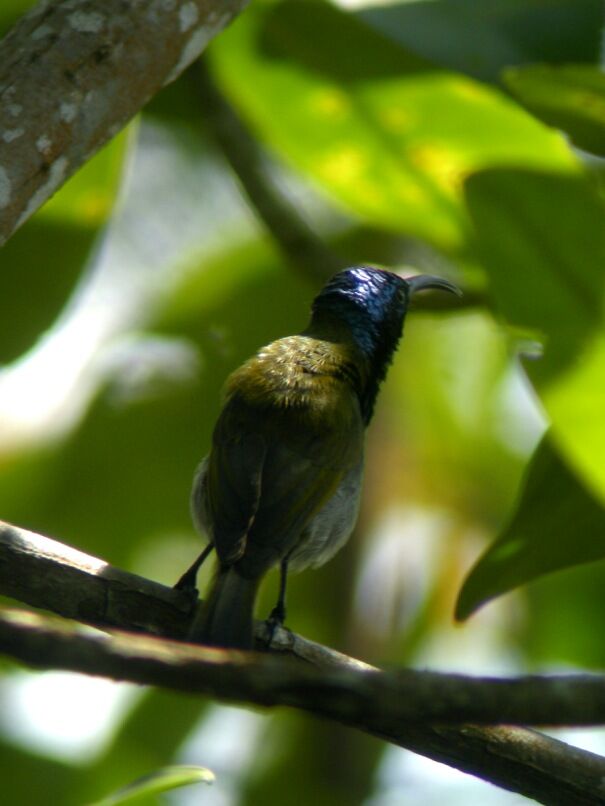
(543,245)
(41,263)
(557,524)
(571,97)
(480,40)
(371,122)
(394,131)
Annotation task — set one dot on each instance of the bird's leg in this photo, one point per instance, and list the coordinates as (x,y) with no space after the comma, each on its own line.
(187,582)
(278,614)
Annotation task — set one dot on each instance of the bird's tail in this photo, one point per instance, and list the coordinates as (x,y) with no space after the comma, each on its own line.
(225,618)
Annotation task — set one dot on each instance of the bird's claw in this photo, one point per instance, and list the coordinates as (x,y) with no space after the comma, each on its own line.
(187,583)
(276,620)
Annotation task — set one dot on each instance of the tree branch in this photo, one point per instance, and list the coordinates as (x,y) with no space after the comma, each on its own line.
(74,72)
(397,706)
(521,760)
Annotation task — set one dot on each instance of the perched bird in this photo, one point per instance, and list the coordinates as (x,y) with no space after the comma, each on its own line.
(282,482)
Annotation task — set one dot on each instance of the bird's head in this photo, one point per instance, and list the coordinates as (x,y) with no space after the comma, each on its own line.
(371,304)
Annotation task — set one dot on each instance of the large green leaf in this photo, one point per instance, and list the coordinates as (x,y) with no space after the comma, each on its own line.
(542,239)
(481,38)
(382,130)
(571,98)
(557,524)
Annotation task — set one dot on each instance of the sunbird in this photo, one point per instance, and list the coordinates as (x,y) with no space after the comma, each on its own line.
(282,482)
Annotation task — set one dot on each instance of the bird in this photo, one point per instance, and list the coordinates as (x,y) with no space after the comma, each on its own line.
(281,484)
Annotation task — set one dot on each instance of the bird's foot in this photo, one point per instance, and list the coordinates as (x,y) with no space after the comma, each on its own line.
(187,586)
(276,620)
(188,582)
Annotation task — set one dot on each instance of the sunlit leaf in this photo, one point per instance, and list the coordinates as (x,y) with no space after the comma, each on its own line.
(557,524)
(571,98)
(382,130)
(542,239)
(160,781)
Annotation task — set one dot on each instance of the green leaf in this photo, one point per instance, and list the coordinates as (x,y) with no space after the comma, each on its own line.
(557,524)
(385,133)
(542,239)
(571,98)
(482,38)
(162,780)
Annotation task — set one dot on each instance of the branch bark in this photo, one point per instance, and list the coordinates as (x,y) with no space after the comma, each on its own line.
(409,708)
(74,72)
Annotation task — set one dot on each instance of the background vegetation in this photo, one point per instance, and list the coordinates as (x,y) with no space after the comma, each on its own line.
(453,137)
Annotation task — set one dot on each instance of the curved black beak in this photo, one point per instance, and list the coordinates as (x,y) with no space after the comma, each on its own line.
(423,281)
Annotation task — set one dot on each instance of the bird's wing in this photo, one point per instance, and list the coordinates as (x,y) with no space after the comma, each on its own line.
(269,473)
(297,481)
(233,489)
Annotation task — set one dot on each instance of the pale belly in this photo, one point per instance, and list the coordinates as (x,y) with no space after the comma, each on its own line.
(330,529)
(325,534)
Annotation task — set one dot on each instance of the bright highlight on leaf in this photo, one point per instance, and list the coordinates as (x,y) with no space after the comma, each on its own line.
(384,132)
(162,780)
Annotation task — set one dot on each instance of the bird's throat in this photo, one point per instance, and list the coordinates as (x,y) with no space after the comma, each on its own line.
(369,353)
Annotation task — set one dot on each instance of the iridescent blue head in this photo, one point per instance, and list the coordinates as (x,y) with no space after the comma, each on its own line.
(372,303)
